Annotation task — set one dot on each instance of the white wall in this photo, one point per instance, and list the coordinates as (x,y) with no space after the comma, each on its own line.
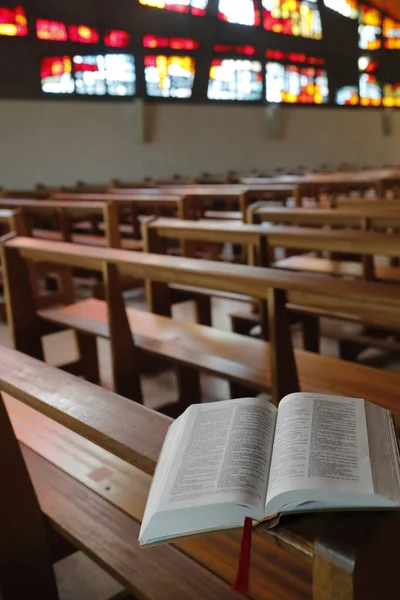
(60,142)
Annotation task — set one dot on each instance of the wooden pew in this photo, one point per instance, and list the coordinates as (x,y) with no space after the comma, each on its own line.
(258,239)
(245,362)
(84,461)
(64,213)
(366,216)
(204,196)
(10,221)
(366,244)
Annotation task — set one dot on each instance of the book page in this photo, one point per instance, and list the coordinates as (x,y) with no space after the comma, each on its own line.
(223,455)
(321,443)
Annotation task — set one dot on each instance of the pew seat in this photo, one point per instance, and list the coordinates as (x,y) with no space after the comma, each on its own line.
(239,359)
(326,266)
(86,239)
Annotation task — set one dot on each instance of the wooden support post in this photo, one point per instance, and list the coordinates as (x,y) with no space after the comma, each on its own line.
(19,224)
(157,294)
(125,356)
(355,558)
(64,224)
(284,377)
(189,387)
(111,226)
(25,565)
(367,259)
(89,363)
(20,299)
(311,333)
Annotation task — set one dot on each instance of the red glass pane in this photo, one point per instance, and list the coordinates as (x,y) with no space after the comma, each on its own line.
(152,41)
(150,61)
(13,22)
(84,34)
(51,30)
(182,8)
(198,12)
(294,57)
(55,66)
(117,38)
(248,50)
(183,44)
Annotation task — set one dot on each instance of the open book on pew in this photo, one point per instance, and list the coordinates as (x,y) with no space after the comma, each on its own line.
(229,460)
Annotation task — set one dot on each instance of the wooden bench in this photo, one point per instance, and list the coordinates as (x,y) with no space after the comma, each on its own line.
(84,461)
(146,201)
(365,244)
(63,215)
(244,362)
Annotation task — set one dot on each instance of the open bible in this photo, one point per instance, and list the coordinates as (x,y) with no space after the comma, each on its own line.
(224,461)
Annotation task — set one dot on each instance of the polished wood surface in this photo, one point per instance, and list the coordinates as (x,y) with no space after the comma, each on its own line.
(112,422)
(353,217)
(326,266)
(333,240)
(234,357)
(335,545)
(273,571)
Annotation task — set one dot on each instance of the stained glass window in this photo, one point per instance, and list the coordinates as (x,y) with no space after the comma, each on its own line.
(243,12)
(112,74)
(391,33)
(391,94)
(13,22)
(84,34)
(370,89)
(247,50)
(117,38)
(175,43)
(51,30)
(56,75)
(370,28)
(169,76)
(347,8)
(296,85)
(292,17)
(195,7)
(347,96)
(235,79)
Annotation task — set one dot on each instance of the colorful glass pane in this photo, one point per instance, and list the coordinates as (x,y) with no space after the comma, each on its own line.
(235,79)
(247,50)
(13,22)
(294,57)
(296,85)
(112,74)
(391,33)
(51,30)
(84,34)
(243,12)
(117,38)
(195,7)
(370,89)
(175,43)
(347,96)
(293,17)
(391,94)
(347,8)
(169,76)
(370,28)
(56,75)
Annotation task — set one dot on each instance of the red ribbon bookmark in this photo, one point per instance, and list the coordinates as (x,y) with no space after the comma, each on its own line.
(243,574)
